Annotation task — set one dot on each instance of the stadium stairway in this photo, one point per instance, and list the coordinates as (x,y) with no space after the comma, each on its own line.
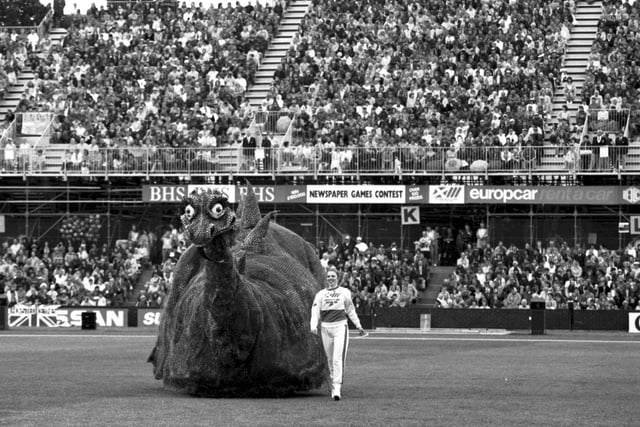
(436,279)
(57,36)
(145,276)
(14,92)
(632,160)
(575,62)
(278,48)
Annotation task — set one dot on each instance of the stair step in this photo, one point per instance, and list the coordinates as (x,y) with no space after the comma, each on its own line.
(588,14)
(287,33)
(577,77)
(590,27)
(583,50)
(576,55)
(295,15)
(259,88)
(16,89)
(272,60)
(263,73)
(582,36)
(581,42)
(574,62)
(257,93)
(276,51)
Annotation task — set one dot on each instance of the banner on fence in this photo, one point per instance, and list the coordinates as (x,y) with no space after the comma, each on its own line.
(446,194)
(149,316)
(34,123)
(401,194)
(55,316)
(346,194)
(634,323)
(592,195)
(264,193)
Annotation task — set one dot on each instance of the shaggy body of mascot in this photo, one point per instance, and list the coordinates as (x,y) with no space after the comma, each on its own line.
(236,318)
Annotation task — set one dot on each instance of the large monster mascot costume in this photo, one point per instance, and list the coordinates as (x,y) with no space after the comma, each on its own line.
(236,317)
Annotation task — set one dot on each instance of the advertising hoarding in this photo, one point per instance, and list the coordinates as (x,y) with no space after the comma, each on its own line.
(55,316)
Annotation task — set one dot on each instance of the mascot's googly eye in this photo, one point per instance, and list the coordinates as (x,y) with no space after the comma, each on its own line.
(189,212)
(217,210)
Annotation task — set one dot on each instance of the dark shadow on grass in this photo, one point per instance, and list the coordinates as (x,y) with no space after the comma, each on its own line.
(161,390)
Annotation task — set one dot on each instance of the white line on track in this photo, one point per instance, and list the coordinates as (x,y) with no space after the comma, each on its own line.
(537,340)
(74,336)
(370,337)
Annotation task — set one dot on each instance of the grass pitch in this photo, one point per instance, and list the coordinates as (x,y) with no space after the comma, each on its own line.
(101,378)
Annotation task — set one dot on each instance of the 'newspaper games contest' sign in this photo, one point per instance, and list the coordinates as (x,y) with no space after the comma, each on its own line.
(55,316)
(364,194)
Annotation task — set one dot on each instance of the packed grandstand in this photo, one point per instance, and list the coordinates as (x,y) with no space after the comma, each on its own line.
(429,98)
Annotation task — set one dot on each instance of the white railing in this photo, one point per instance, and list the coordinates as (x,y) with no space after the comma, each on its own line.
(308,160)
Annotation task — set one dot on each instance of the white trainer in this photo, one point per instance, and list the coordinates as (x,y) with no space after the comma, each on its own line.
(335,391)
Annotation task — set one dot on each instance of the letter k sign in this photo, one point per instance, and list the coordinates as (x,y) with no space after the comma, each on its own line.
(410,215)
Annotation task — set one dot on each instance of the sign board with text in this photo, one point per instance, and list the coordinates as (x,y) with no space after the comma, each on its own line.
(149,316)
(55,316)
(634,224)
(363,194)
(410,215)
(406,194)
(634,323)
(551,195)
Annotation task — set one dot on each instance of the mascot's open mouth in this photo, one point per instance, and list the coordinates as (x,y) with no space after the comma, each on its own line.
(221,241)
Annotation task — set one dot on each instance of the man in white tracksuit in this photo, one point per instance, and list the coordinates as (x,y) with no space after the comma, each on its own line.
(331,307)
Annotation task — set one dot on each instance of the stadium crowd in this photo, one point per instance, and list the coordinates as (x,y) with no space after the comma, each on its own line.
(21,13)
(460,74)
(378,276)
(414,87)
(502,276)
(612,75)
(72,275)
(88,275)
(485,276)
(381,76)
(154,75)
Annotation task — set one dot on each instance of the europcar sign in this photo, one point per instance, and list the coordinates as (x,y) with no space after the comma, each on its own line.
(595,195)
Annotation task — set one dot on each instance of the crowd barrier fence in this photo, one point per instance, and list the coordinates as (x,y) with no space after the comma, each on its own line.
(307,160)
(390,317)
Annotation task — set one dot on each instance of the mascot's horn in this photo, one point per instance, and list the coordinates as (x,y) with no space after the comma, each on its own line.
(254,241)
(250,211)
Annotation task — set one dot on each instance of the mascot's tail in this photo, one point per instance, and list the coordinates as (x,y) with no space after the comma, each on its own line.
(152,356)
